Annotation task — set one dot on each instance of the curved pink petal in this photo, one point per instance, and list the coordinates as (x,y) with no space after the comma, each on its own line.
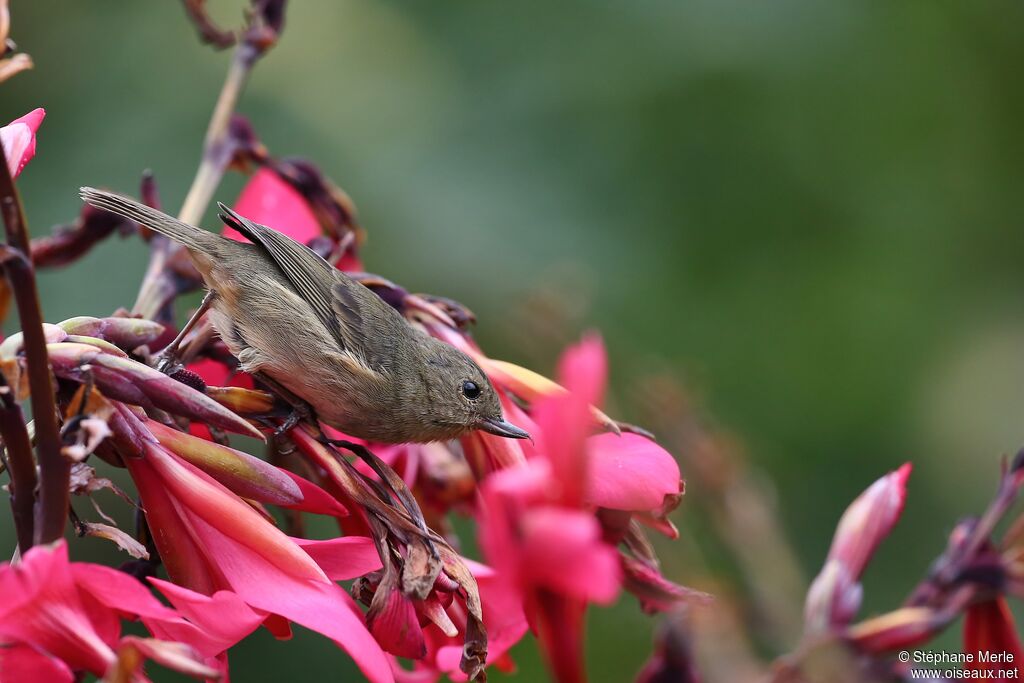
(269,200)
(209,500)
(253,558)
(629,472)
(504,496)
(19,662)
(321,606)
(19,140)
(343,558)
(118,591)
(396,627)
(181,554)
(315,499)
(41,608)
(215,622)
(418,675)
(583,369)
(563,552)
(869,519)
(565,420)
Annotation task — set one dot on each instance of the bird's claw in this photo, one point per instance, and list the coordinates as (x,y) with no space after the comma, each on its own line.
(297,415)
(168,364)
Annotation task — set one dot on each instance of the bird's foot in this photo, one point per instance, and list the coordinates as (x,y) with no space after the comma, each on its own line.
(300,412)
(168,363)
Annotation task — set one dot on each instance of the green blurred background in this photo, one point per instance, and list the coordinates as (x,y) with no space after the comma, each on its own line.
(810,212)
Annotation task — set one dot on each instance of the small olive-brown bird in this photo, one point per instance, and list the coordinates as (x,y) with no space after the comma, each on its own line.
(288,315)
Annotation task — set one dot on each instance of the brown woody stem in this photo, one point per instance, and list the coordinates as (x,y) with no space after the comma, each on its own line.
(52,509)
(157,289)
(20,464)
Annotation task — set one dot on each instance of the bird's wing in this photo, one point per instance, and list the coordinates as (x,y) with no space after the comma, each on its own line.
(314,280)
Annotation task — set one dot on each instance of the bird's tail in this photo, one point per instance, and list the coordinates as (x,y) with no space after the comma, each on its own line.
(158,221)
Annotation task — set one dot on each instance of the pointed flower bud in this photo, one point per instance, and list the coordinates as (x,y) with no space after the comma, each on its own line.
(126,333)
(19,140)
(240,472)
(898,630)
(126,380)
(835,595)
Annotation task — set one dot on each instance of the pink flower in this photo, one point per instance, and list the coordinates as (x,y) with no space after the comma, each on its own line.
(835,595)
(269,200)
(537,528)
(19,140)
(538,523)
(211,540)
(60,618)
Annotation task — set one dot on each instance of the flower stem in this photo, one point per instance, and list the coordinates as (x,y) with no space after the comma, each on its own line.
(20,464)
(157,289)
(52,509)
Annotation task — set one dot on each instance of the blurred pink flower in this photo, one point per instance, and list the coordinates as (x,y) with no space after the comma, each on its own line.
(19,140)
(835,595)
(60,618)
(536,528)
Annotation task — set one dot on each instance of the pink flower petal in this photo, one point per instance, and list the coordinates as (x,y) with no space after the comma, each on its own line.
(118,591)
(181,555)
(563,552)
(269,200)
(583,369)
(343,558)
(41,608)
(215,622)
(629,472)
(209,500)
(20,662)
(175,656)
(253,558)
(565,420)
(321,606)
(315,499)
(869,519)
(19,140)
(396,627)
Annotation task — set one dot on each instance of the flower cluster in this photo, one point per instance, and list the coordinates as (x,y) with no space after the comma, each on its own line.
(219,548)
(559,519)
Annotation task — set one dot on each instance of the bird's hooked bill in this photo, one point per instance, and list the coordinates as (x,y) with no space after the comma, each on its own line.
(498,427)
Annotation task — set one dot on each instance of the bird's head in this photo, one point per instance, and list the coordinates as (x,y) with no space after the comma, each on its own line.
(460,396)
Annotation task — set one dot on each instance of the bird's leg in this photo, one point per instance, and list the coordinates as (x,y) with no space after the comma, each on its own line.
(167,360)
(301,410)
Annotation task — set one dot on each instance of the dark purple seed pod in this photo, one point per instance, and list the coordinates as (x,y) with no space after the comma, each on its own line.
(186,376)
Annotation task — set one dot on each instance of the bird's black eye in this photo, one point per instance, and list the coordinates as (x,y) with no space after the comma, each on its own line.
(470,390)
